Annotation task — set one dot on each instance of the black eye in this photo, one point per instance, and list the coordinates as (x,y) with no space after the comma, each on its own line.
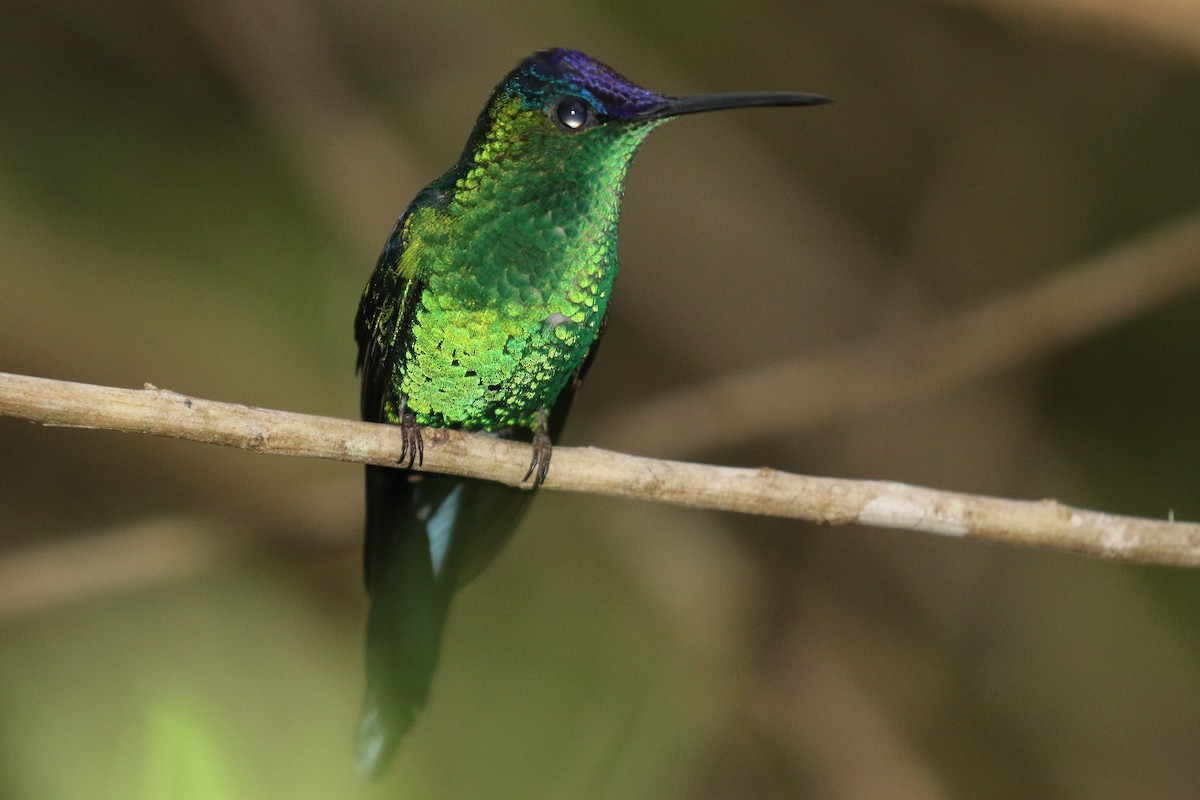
(572,113)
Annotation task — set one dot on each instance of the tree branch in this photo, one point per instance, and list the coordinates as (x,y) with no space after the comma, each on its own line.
(830,501)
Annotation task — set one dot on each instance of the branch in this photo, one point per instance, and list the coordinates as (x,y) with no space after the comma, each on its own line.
(829,501)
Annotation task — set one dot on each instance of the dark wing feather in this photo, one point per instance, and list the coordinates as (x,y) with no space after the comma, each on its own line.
(407,610)
(384,320)
(427,535)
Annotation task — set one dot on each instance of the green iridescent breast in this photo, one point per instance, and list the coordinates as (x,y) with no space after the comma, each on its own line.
(517,267)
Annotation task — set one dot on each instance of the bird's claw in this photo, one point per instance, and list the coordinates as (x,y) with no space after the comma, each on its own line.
(412,444)
(539,464)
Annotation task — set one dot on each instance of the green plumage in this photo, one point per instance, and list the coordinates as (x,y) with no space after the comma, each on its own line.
(515,251)
(483,313)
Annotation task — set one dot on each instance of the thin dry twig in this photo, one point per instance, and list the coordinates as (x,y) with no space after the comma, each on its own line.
(831,501)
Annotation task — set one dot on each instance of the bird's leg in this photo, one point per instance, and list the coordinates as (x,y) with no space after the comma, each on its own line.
(539,465)
(412,445)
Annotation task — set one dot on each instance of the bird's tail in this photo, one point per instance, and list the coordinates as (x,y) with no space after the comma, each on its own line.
(426,536)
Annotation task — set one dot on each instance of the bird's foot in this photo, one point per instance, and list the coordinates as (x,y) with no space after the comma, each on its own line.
(412,444)
(539,465)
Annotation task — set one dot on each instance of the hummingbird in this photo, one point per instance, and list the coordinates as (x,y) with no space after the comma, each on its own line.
(484,313)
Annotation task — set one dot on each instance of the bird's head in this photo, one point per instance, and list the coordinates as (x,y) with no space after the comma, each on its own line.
(561,106)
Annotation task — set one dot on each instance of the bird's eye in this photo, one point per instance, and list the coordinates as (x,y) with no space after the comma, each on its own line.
(572,113)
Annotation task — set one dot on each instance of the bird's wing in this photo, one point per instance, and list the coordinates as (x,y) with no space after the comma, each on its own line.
(385,315)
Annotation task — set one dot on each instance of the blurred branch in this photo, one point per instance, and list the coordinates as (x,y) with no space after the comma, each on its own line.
(900,366)
(833,717)
(756,491)
(58,573)
(314,517)
(280,58)
(1174,23)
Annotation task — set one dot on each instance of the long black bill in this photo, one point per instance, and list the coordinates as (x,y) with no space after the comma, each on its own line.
(695,103)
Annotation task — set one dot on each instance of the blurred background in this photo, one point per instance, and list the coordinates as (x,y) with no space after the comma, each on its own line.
(977,271)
